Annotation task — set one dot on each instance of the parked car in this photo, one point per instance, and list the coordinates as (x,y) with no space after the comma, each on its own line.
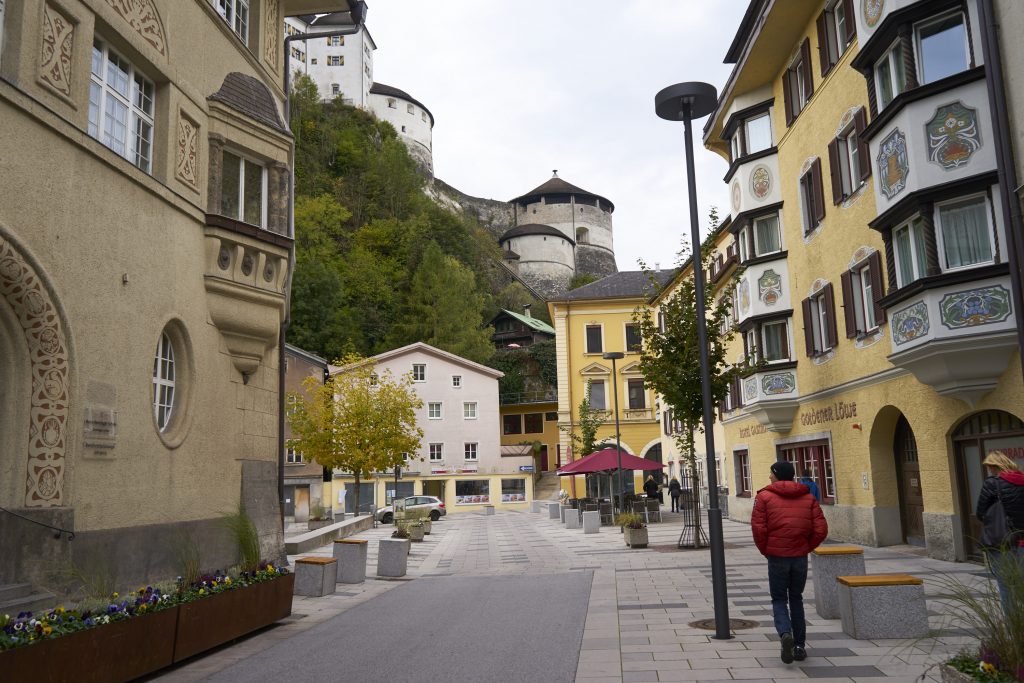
(386,514)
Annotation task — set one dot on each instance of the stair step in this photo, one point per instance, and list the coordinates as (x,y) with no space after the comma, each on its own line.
(9,591)
(33,602)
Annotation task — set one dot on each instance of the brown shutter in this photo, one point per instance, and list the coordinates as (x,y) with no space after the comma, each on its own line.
(808,331)
(787,95)
(860,122)
(849,308)
(851,20)
(834,171)
(805,64)
(819,193)
(823,56)
(738,384)
(877,287)
(830,312)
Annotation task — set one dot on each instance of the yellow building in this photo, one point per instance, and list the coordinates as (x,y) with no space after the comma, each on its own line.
(870,219)
(590,321)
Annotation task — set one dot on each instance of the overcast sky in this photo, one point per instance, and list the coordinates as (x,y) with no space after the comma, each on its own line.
(520,88)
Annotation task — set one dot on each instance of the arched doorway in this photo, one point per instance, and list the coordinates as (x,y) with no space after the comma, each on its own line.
(973,439)
(908,477)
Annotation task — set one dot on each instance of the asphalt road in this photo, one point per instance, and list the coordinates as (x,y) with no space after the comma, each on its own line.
(503,628)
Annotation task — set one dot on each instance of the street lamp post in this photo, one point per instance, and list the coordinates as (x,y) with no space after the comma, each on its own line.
(614,356)
(685,102)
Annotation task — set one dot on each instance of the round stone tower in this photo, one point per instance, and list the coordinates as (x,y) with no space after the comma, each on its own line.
(541,254)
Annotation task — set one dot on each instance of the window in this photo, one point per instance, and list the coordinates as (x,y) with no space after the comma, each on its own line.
(836,30)
(391,103)
(597,395)
(849,161)
(533,423)
(965,233)
(335,60)
(744,485)
(292,456)
(469,410)
(409,109)
(512,424)
(941,47)
(582,236)
(456,381)
(472,492)
(820,333)
(513,490)
(551,417)
(434,411)
(775,341)
(470,451)
(236,13)
(336,41)
(594,344)
(862,292)
(335,89)
(908,248)
(737,146)
(813,460)
(890,75)
(419,372)
(727,318)
(436,452)
(767,236)
(636,395)
(633,340)
(163,382)
(812,204)
(313,61)
(242,189)
(758,133)
(423,116)
(121,107)
(797,83)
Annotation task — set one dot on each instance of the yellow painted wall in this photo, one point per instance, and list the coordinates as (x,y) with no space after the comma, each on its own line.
(549,437)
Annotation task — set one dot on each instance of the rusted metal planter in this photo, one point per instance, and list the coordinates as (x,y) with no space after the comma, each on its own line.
(212,621)
(121,651)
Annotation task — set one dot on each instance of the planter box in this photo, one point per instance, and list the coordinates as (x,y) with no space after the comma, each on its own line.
(426,526)
(121,651)
(416,533)
(635,538)
(392,556)
(951,675)
(212,621)
(319,523)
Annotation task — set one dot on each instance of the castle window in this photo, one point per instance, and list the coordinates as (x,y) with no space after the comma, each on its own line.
(410,109)
(582,235)
(121,107)
(391,103)
(336,41)
(336,60)
(335,89)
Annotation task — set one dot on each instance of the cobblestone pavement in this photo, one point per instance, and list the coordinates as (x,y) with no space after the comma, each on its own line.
(641,603)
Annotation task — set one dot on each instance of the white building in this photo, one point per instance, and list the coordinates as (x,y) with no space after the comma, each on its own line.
(339,65)
(411,119)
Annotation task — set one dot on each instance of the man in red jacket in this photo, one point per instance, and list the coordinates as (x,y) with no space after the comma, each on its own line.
(787,524)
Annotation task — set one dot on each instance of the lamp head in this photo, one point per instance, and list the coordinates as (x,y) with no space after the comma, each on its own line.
(613,355)
(671,103)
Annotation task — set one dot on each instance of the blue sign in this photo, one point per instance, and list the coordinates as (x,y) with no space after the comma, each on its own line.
(526,468)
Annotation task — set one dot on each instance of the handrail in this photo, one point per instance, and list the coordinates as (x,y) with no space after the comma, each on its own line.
(71,534)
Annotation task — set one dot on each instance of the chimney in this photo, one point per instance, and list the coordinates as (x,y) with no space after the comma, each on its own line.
(657,267)
(554,173)
(526,310)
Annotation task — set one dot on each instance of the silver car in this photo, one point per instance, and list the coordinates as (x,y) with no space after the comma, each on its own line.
(386,514)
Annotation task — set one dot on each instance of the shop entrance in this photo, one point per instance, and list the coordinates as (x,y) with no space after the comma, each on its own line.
(975,438)
(434,488)
(908,475)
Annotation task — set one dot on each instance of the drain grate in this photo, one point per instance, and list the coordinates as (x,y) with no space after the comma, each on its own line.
(734,624)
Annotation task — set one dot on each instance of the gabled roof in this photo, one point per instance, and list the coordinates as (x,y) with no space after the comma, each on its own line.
(556,185)
(379,88)
(530,321)
(533,229)
(629,284)
(428,349)
(302,353)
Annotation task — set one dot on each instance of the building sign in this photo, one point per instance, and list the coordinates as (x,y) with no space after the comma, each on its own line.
(833,413)
(526,468)
(752,430)
(100,429)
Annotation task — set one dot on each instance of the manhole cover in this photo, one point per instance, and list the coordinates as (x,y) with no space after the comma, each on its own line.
(734,624)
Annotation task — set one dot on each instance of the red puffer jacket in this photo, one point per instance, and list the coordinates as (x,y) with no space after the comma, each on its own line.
(787,520)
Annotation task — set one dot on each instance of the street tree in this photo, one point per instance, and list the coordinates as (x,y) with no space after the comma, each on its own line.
(360,421)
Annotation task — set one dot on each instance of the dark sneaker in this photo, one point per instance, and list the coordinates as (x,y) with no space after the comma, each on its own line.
(787,648)
(799,653)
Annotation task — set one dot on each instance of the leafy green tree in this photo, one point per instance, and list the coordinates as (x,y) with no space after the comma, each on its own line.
(580,279)
(361,421)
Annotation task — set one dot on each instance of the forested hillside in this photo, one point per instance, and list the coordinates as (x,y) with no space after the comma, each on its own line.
(379,264)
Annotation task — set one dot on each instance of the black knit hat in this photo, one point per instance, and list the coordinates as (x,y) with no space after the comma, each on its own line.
(783,470)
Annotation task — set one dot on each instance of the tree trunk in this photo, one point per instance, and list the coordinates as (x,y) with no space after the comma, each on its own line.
(356,475)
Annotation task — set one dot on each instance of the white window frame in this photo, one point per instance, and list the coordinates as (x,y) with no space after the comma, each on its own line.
(741,238)
(797,86)
(435,410)
(753,347)
(604,388)
(625,337)
(471,451)
(758,251)
(335,41)
(392,104)
(134,101)
(409,109)
(894,74)
(422,368)
(917,261)
(849,160)
(469,410)
(164,383)
(746,133)
(819,324)
(436,452)
(939,237)
(335,60)
(919,52)
(335,89)
(586,338)
(788,356)
(456,381)
(237,20)
(293,456)
(625,392)
(244,159)
(736,145)
(839,9)
(863,298)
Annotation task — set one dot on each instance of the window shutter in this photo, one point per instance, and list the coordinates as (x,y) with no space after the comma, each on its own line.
(737,388)
(805,64)
(849,308)
(819,193)
(808,332)
(860,122)
(851,20)
(787,96)
(823,57)
(830,312)
(834,171)
(877,287)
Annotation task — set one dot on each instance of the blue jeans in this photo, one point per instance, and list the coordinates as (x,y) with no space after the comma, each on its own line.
(787,577)
(1006,566)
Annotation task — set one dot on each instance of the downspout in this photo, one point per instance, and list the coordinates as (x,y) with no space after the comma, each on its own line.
(1011,204)
(358,12)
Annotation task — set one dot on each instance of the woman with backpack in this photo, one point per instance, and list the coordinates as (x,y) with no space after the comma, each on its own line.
(1001,512)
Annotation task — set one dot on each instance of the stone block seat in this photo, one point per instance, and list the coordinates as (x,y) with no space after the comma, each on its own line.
(351,556)
(554,511)
(591,522)
(875,606)
(828,562)
(315,576)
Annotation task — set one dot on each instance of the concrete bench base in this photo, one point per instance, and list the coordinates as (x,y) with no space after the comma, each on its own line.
(351,556)
(828,562)
(553,510)
(537,506)
(315,576)
(572,519)
(591,522)
(882,606)
(563,510)
(392,556)
(488,510)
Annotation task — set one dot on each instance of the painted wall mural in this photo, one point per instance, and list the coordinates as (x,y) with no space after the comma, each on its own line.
(743,296)
(760,181)
(910,323)
(737,196)
(893,164)
(872,11)
(974,307)
(750,390)
(778,383)
(769,287)
(953,135)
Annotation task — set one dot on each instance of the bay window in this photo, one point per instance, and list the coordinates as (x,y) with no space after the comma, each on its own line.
(908,249)
(243,189)
(890,75)
(965,232)
(767,236)
(941,47)
(758,132)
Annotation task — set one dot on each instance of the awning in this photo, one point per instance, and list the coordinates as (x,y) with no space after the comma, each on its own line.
(607,460)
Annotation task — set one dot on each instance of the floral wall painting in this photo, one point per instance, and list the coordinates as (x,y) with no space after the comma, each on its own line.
(743,294)
(953,135)
(974,307)
(737,196)
(910,323)
(872,11)
(778,383)
(893,164)
(760,182)
(769,287)
(750,390)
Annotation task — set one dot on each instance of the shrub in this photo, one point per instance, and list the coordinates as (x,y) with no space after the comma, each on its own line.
(247,539)
(630,520)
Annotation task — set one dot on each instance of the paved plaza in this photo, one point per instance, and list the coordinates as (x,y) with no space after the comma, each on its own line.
(515,596)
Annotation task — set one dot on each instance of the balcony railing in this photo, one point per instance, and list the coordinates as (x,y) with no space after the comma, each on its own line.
(516,398)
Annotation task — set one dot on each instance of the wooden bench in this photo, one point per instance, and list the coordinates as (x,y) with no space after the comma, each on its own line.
(351,556)
(315,576)
(875,606)
(828,562)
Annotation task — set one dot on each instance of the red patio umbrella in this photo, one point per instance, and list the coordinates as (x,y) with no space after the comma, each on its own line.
(607,460)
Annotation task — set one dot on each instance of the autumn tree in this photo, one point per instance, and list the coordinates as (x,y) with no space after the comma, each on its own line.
(361,421)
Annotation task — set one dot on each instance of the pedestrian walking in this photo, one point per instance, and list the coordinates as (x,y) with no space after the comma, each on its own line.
(812,486)
(1001,512)
(651,487)
(674,489)
(787,524)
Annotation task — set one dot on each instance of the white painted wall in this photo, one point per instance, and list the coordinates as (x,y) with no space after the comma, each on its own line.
(412,123)
(569,217)
(741,185)
(353,78)
(546,256)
